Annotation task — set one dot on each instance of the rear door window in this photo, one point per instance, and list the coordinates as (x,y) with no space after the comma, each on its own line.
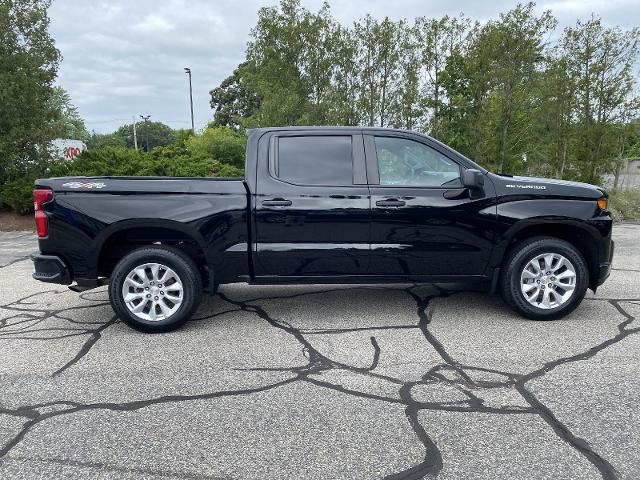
(315,160)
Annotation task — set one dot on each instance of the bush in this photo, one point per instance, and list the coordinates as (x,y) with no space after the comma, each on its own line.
(625,204)
(218,152)
(221,143)
(18,194)
(171,161)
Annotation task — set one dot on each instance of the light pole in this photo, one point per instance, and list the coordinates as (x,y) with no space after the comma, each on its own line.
(146,129)
(135,134)
(188,72)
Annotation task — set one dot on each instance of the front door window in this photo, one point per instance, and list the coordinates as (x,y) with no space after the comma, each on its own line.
(403,162)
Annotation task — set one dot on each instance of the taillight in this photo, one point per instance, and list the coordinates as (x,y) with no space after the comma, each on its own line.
(40,197)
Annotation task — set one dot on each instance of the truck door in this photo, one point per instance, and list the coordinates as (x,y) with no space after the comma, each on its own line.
(422,221)
(312,205)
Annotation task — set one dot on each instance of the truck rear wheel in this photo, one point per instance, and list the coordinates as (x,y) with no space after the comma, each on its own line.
(155,289)
(544,278)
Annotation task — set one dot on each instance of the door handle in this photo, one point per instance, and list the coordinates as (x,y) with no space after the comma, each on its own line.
(276,202)
(391,202)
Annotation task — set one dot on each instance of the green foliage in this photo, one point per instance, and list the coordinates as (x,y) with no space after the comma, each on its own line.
(380,58)
(274,65)
(625,204)
(182,135)
(233,100)
(219,143)
(217,152)
(68,123)
(171,161)
(500,91)
(28,67)
(159,135)
(105,140)
(600,62)
(18,194)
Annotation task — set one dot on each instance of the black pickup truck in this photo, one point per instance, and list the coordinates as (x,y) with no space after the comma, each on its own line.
(324,205)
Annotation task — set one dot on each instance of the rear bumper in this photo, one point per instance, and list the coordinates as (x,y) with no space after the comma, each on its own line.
(50,269)
(605,268)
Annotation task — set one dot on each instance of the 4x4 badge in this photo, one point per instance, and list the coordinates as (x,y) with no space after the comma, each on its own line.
(83,185)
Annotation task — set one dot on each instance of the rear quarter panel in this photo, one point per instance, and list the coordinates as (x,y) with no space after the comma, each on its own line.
(82,219)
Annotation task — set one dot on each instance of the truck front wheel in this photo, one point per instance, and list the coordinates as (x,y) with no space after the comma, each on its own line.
(544,278)
(155,289)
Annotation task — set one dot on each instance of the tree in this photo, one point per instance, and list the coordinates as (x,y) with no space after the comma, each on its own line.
(234,100)
(510,103)
(221,144)
(343,91)
(602,60)
(274,65)
(320,38)
(158,134)
(466,81)
(105,140)
(437,40)
(498,91)
(406,109)
(554,120)
(379,57)
(28,67)
(67,123)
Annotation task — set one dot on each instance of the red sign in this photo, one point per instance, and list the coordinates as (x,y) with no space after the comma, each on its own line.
(71,152)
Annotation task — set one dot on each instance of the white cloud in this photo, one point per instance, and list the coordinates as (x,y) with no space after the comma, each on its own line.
(155,23)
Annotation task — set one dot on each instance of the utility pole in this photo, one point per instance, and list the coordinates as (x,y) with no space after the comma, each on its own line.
(135,134)
(146,128)
(188,72)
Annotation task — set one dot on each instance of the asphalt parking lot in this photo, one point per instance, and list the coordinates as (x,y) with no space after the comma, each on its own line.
(320,382)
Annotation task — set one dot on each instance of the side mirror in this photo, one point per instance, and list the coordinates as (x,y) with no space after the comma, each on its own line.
(472,179)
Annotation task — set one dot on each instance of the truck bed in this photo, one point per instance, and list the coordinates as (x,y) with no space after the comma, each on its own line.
(145,184)
(89,216)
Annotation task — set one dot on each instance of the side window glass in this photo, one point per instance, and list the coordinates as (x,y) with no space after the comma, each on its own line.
(315,160)
(405,162)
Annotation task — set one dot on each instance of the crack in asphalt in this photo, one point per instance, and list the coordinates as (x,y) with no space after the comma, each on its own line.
(90,342)
(432,463)
(114,468)
(35,417)
(22,325)
(15,260)
(27,323)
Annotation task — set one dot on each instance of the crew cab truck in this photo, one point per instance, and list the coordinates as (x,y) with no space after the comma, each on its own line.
(324,205)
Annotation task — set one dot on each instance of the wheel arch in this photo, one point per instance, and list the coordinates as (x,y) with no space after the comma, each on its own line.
(579,234)
(122,237)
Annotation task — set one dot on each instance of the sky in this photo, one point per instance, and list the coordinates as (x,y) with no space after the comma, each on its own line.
(125,58)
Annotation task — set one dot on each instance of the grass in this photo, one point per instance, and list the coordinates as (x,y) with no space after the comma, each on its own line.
(625,204)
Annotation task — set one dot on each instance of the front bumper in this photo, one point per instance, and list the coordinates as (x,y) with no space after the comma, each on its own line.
(605,268)
(50,269)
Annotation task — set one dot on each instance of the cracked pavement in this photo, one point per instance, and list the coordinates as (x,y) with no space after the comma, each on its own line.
(322,382)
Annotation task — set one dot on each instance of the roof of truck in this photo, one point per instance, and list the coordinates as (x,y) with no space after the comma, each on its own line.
(258,132)
(333,127)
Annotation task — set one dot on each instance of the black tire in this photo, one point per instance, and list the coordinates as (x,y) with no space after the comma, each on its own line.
(174,259)
(520,255)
